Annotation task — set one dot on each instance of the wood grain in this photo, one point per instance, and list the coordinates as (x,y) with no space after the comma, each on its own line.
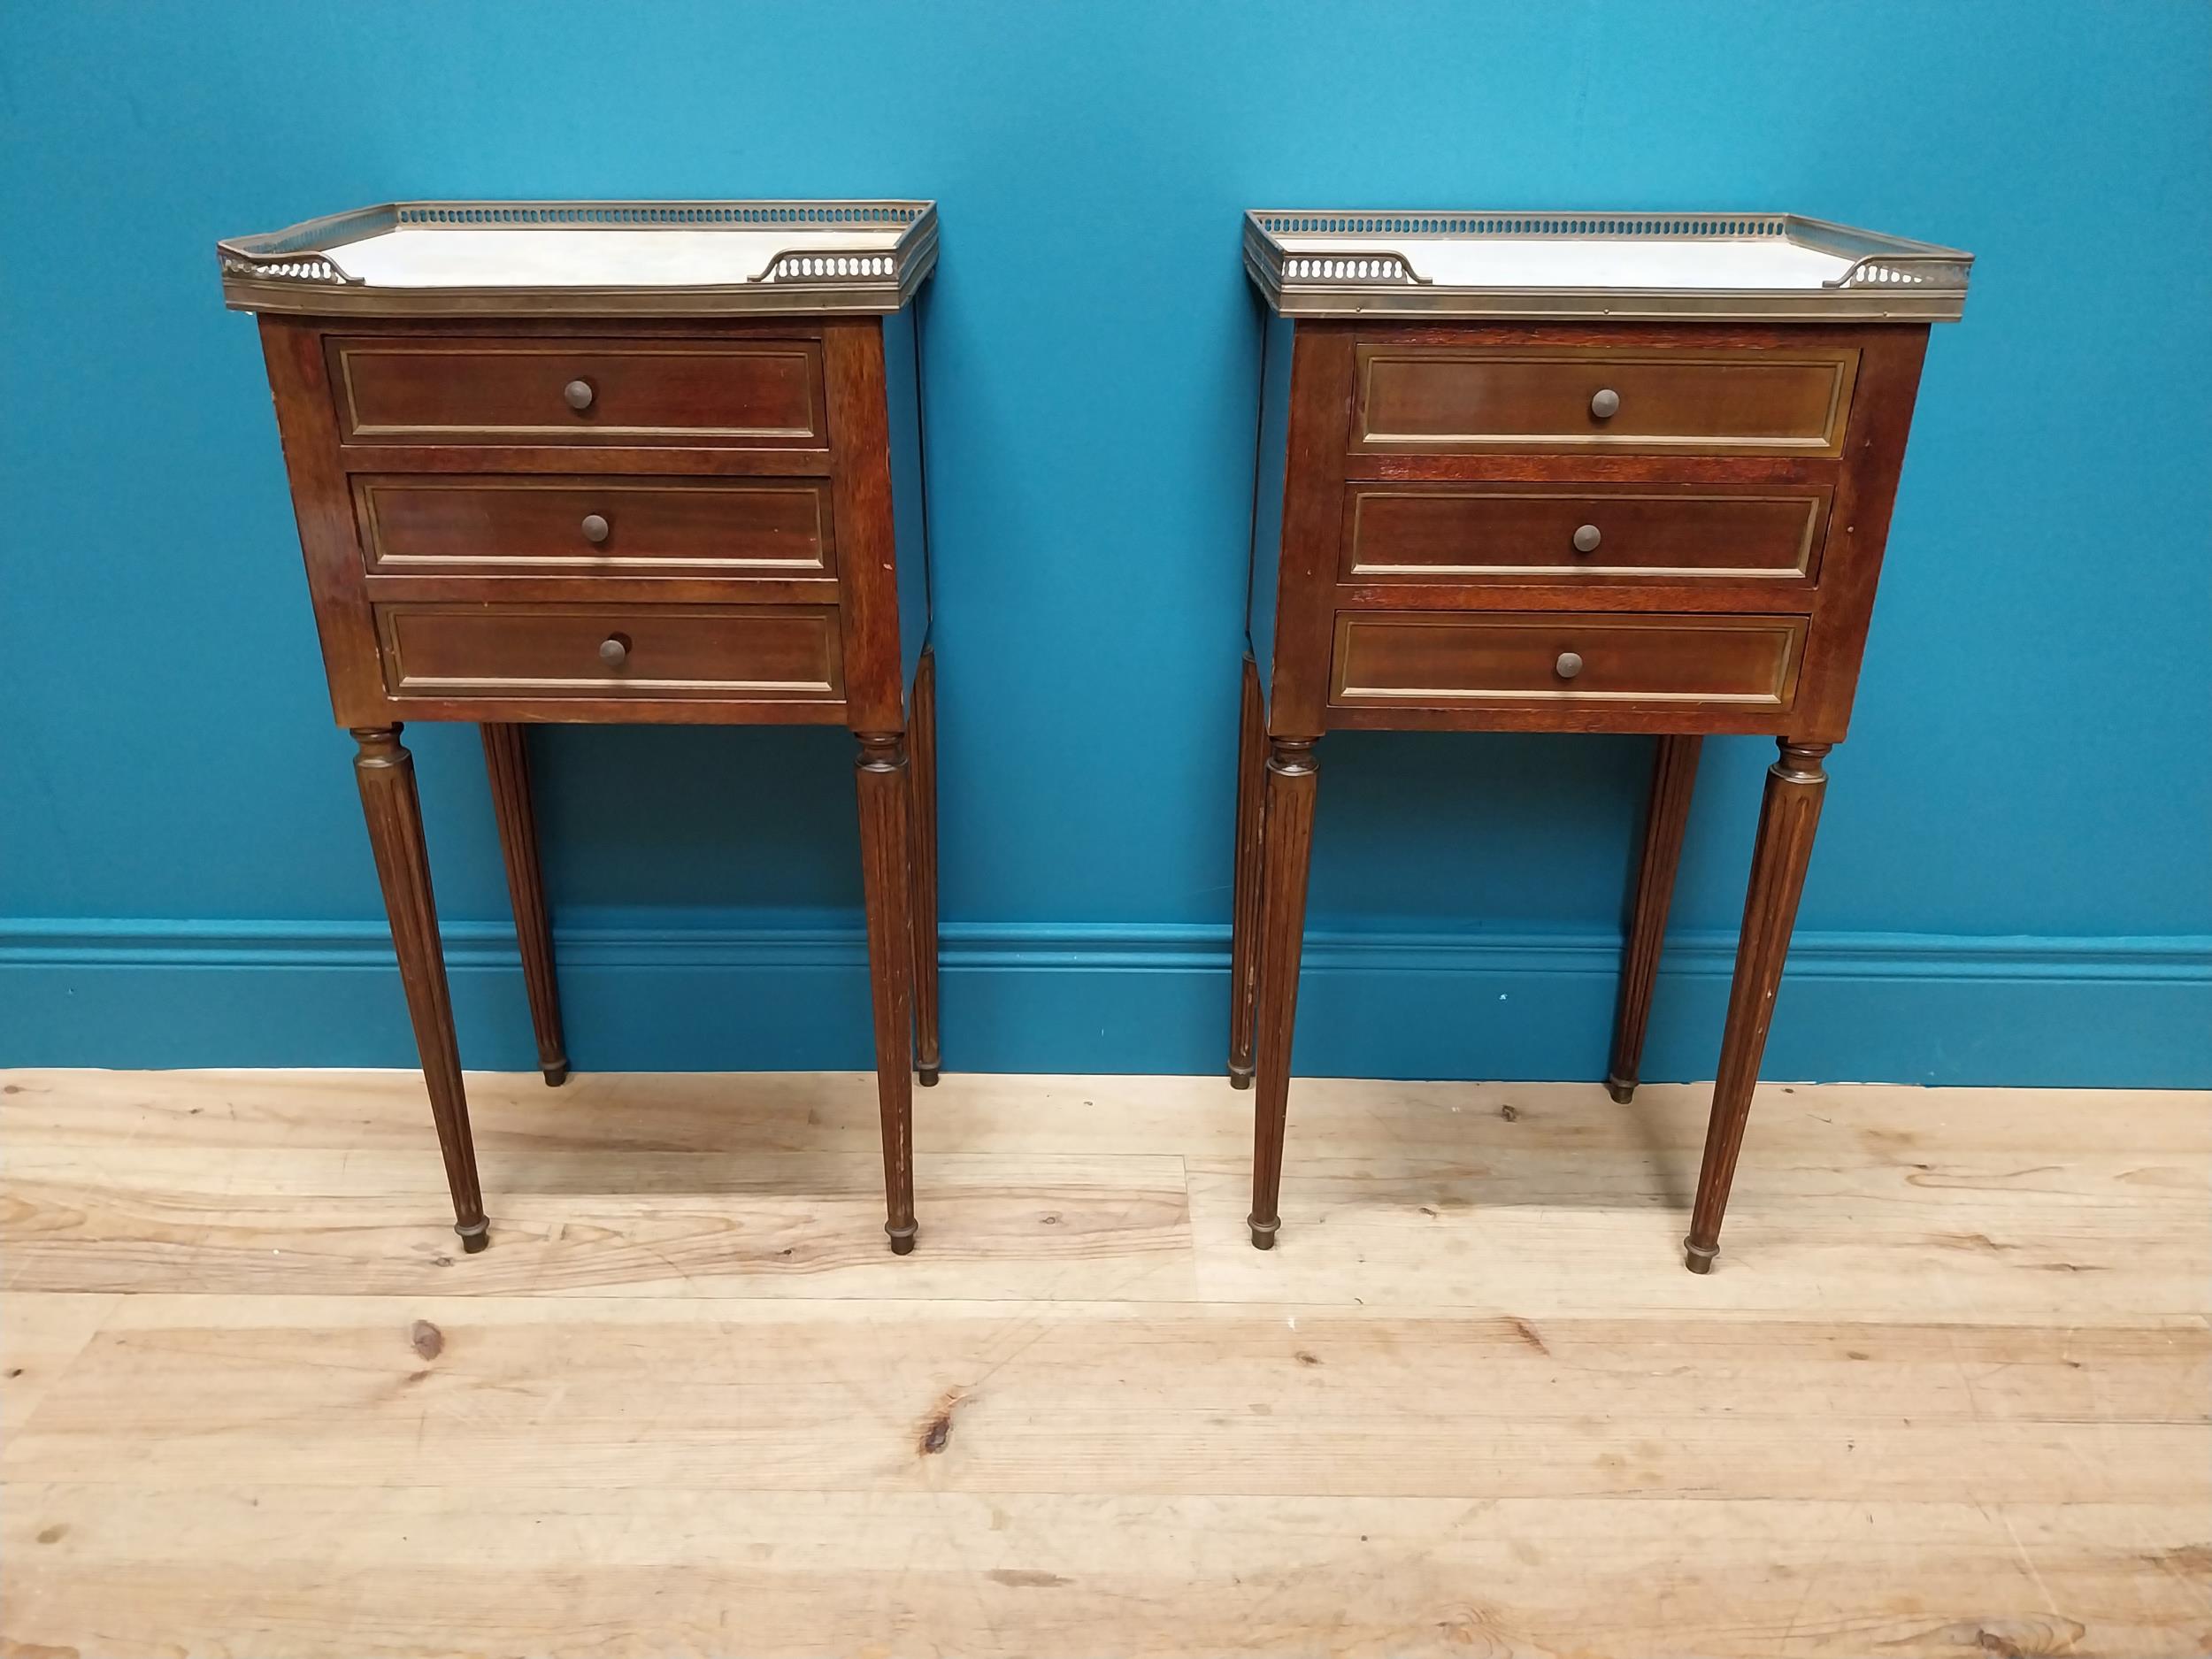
(696,1573)
(1954,1403)
(867,529)
(39,1337)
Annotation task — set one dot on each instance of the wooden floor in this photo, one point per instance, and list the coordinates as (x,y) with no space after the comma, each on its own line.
(1945,1393)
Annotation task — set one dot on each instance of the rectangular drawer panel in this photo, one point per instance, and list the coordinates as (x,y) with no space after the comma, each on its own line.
(1448,659)
(788,652)
(1437,532)
(714,392)
(1690,401)
(581,526)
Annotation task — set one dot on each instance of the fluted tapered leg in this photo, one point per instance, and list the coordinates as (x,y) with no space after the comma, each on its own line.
(1788,814)
(885,856)
(1673,776)
(1289,841)
(386,773)
(1244,902)
(507,760)
(922,739)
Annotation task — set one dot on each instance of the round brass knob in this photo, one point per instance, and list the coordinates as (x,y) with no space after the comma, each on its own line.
(596,528)
(614,650)
(1605,404)
(1586,539)
(579,394)
(1567,666)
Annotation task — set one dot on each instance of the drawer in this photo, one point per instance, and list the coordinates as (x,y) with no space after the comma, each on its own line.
(711,393)
(780,653)
(1441,532)
(459,525)
(1425,399)
(1452,659)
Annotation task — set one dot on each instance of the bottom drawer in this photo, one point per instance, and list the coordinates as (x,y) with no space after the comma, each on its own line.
(1452,659)
(784,652)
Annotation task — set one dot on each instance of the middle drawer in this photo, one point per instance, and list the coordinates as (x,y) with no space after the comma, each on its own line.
(523,523)
(1451,531)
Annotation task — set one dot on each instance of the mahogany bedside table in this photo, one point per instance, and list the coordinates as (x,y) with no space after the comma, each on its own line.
(616,462)
(1567,472)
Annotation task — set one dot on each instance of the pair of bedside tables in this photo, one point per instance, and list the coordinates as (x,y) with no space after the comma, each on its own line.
(661,462)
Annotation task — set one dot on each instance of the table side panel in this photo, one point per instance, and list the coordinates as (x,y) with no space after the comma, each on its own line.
(1858,531)
(1320,421)
(909,490)
(1270,470)
(867,529)
(307,421)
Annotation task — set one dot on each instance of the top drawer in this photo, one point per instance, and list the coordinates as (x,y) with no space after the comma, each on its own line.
(717,393)
(1423,399)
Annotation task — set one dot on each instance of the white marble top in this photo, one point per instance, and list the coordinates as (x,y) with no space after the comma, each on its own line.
(1593,262)
(416,258)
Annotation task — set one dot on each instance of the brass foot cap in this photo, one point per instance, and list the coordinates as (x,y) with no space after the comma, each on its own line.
(902,1239)
(555,1074)
(1239,1076)
(1263,1232)
(926,1077)
(1699,1258)
(1622,1092)
(474,1237)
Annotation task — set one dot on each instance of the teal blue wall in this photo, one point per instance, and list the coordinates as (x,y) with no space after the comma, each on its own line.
(2012,881)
